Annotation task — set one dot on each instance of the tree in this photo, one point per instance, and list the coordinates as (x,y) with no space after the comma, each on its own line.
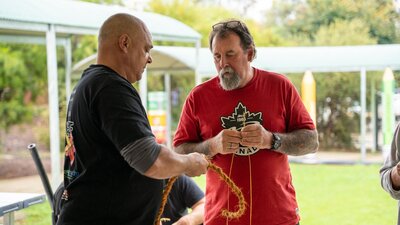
(336,23)
(305,18)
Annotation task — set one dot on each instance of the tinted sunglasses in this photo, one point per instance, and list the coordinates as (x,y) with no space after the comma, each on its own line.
(233,24)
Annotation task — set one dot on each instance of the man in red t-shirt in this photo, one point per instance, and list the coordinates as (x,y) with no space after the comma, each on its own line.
(248,120)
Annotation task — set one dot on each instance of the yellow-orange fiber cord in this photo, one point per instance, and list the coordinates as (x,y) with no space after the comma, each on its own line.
(225,213)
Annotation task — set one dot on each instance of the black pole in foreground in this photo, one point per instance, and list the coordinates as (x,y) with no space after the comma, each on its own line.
(43,177)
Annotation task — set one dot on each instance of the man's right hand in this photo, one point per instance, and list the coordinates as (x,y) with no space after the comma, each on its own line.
(197,164)
(226,142)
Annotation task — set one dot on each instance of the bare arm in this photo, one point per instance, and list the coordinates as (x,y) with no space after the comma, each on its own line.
(298,142)
(195,217)
(169,164)
(226,142)
(158,162)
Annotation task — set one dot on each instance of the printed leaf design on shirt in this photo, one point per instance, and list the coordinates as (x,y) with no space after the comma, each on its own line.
(240,118)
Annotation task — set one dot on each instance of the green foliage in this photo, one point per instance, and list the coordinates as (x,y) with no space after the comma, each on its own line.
(190,13)
(181,84)
(344,32)
(305,18)
(336,23)
(83,46)
(336,118)
(20,82)
(39,214)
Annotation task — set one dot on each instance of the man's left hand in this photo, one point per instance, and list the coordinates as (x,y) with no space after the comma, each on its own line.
(254,135)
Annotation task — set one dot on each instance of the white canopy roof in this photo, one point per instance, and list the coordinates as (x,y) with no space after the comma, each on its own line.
(75,17)
(279,59)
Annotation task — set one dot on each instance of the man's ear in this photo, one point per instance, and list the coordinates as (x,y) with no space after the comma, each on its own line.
(250,54)
(123,42)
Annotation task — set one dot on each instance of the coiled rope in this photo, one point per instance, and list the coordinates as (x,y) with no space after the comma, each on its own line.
(241,208)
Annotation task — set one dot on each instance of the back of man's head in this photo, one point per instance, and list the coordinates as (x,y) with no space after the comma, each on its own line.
(116,25)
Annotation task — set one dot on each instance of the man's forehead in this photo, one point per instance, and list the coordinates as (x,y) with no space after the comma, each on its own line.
(225,45)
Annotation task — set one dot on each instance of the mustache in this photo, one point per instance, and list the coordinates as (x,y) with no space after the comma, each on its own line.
(227,69)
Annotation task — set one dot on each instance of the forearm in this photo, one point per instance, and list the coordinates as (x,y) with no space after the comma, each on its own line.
(196,216)
(201,147)
(299,142)
(168,164)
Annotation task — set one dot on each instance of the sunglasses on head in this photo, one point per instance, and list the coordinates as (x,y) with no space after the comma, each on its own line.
(233,24)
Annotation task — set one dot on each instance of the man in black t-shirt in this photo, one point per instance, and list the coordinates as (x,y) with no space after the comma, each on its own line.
(184,194)
(114,168)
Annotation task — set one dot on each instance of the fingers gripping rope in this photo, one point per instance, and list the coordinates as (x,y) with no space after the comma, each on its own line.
(225,213)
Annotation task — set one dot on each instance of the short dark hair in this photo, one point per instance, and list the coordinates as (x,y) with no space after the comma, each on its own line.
(224,28)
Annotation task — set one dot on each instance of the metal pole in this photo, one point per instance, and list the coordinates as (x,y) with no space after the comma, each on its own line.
(196,69)
(143,89)
(373,116)
(52,83)
(42,173)
(363,100)
(68,66)
(167,83)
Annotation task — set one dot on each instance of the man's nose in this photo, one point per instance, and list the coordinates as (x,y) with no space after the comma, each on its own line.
(223,62)
(150,59)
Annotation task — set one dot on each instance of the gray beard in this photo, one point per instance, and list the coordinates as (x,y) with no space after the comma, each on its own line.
(231,82)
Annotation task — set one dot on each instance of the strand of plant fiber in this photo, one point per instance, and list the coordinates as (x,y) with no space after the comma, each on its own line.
(164,199)
(225,213)
(235,189)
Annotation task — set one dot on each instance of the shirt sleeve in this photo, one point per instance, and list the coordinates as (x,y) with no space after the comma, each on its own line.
(142,153)
(121,114)
(297,114)
(391,161)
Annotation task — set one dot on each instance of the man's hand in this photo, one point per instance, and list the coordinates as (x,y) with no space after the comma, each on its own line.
(226,142)
(183,221)
(255,135)
(395,177)
(197,164)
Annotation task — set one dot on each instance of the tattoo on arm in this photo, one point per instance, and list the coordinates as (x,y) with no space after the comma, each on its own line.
(186,148)
(299,142)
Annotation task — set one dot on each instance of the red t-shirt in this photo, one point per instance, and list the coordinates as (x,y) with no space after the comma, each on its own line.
(263,175)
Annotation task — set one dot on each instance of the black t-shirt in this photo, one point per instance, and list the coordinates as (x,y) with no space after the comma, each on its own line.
(104,115)
(184,194)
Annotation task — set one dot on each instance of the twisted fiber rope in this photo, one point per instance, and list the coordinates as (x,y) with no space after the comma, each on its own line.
(235,189)
(225,213)
(167,189)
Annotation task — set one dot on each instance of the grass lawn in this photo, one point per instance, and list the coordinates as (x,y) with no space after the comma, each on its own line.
(327,195)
